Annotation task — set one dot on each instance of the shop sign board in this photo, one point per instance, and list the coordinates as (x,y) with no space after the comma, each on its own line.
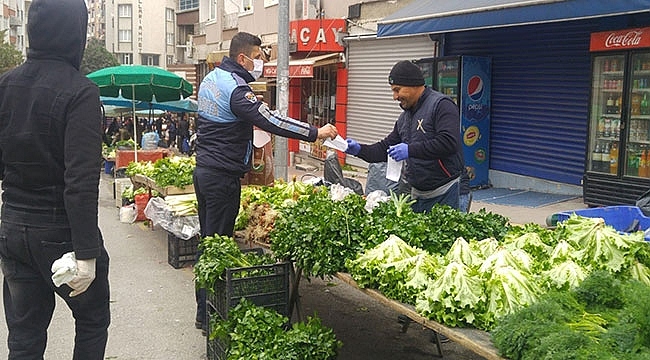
(316,35)
(617,40)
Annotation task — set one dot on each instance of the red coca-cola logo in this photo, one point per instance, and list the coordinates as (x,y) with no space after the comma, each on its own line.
(631,38)
(619,40)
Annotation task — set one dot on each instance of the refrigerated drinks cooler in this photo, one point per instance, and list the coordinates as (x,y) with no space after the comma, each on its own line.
(618,147)
(467,80)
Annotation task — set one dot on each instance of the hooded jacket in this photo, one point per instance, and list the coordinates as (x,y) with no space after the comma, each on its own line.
(50,129)
(228,109)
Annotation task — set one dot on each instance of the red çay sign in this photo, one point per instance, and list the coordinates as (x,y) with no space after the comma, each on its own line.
(317,35)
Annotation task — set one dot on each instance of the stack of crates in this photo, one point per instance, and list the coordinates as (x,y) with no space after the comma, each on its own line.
(263,285)
(181,252)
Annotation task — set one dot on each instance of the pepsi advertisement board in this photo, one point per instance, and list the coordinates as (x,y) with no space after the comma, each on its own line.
(475,108)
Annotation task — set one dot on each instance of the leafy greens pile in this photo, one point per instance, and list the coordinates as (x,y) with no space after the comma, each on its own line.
(254,332)
(602,318)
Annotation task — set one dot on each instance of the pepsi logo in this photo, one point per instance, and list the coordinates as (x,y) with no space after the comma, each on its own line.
(475,88)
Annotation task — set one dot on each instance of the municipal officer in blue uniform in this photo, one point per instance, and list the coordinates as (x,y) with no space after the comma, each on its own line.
(228,110)
(426,136)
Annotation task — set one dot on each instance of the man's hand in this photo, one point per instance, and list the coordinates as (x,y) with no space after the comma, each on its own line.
(84,277)
(353,147)
(399,152)
(327,131)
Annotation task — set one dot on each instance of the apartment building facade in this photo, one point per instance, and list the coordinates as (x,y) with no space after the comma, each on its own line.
(13,23)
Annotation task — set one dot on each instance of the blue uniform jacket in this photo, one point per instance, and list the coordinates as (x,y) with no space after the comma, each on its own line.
(228,109)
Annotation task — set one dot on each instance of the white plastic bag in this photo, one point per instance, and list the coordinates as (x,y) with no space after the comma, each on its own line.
(128,214)
(375,198)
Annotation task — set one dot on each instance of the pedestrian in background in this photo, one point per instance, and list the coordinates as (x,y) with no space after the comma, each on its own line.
(50,153)
(228,110)
(426,136)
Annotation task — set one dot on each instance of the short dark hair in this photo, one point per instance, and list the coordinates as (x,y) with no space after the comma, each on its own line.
(243,42)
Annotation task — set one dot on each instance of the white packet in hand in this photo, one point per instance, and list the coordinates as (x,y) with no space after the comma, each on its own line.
(338,143)
(393,169)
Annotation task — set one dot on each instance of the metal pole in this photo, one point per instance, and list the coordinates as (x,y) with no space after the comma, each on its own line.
(281,151)
(135,126)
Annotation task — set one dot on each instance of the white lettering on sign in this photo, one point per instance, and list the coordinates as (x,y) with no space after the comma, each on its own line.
(632,38)
(305,35)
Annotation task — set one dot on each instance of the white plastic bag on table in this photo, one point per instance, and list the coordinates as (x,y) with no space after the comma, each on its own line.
(375,198)
(183,227)
(128,214)
(339,192)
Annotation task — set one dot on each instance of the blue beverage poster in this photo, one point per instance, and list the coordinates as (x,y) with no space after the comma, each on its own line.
(475,109)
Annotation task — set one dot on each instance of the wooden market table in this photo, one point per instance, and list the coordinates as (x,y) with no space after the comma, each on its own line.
(475,340)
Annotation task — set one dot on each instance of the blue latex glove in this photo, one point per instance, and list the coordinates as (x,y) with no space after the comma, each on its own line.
(399,152)
(353,147)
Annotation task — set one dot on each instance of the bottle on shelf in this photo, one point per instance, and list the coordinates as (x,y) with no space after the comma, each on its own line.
(613,158)
(601,126)
(636,104)
(644,109)
(616,128)
(608,127)
(632,161)
(609,105)
(643,164)
(596,158)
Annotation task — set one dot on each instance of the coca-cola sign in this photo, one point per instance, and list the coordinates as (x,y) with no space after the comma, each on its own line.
(620,39)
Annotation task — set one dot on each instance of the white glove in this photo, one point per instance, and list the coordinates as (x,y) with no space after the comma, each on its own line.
(64,269)
(84,276)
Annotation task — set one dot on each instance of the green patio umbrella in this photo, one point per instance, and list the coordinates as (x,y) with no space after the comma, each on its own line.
(140,83)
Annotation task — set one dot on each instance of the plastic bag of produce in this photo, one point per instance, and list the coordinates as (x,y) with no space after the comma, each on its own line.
(128,214)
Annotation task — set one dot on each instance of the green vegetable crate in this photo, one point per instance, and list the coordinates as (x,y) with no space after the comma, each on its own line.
(264,285)
(181,252)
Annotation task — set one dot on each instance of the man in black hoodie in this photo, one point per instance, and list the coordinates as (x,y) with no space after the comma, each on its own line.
(50,152)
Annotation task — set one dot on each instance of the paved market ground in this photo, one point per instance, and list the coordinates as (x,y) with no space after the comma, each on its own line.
(153,303)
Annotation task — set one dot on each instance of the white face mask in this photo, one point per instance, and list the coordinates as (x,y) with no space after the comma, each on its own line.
(258,67)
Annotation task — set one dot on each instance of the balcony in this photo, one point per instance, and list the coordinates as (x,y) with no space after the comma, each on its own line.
(15,21)
(230,21)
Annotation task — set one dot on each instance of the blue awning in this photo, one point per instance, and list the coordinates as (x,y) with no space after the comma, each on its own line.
(440,16)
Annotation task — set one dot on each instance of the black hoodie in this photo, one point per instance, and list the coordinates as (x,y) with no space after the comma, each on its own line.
(50,129)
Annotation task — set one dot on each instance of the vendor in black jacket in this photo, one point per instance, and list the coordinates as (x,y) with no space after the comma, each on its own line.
(426,135)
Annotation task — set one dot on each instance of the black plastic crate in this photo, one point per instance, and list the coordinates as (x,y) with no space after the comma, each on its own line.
(263,285)
(216,348)
(181,252)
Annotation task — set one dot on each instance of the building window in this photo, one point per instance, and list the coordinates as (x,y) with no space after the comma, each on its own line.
(124,10)
(213,9)
(126,59)
(170,39)
(188,4)
(124,36)
(268,3)
(169,15)
(150,59)
(246,7)
(170,59)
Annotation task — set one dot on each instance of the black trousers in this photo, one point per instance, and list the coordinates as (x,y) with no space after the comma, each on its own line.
(217,195)
(26,257)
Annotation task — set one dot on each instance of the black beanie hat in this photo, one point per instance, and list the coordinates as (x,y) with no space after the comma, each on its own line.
(406,73)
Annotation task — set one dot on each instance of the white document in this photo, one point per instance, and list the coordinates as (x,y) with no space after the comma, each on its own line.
(393,169)
(338,143)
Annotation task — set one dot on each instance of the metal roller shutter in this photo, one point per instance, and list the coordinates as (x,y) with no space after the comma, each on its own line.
(371,111)
(540,95)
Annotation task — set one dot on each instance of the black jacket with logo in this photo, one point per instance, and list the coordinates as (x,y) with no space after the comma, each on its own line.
(50,129)
(432,131)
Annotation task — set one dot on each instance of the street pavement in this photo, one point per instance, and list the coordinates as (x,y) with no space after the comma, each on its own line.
(153,304)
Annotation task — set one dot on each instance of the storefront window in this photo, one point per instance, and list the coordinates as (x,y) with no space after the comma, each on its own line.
(319,102)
